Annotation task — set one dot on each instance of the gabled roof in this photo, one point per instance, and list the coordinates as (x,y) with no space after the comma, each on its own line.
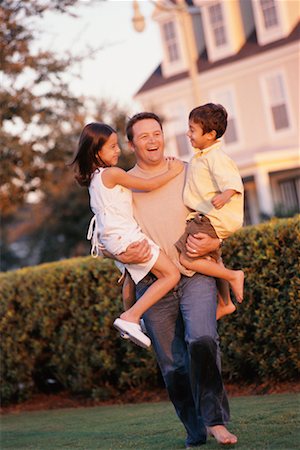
(250,48)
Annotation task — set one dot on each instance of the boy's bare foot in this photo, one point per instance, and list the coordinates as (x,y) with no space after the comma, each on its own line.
(222,435)
(237,285)
(224,310)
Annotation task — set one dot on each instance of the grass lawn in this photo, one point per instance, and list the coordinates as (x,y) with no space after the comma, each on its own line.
(261,423)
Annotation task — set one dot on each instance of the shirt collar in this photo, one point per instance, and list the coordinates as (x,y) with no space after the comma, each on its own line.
(198,152)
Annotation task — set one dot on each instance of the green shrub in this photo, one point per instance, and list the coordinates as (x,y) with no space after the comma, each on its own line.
(56,321)
(261,340)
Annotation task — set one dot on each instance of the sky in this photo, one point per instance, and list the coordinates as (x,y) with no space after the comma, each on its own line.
(127,58)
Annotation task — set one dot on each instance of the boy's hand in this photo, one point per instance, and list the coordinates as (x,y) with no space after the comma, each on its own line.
(175,165)
(219,200)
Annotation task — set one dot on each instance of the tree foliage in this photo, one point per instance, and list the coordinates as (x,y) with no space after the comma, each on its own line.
(44,212)
(38,114)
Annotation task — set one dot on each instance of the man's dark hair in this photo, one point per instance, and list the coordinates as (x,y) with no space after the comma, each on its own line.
(211,117)
(136,118)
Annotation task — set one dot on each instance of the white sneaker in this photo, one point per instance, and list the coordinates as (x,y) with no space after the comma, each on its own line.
(124,335)
(134,331)
(143,326)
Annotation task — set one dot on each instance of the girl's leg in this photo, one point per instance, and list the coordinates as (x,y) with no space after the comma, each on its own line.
(167,276)
(213,269)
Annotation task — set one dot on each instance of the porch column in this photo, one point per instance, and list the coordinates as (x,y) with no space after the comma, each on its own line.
(264,193)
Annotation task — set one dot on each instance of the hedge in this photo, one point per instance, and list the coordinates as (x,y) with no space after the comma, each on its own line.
(56,321)
(261,341)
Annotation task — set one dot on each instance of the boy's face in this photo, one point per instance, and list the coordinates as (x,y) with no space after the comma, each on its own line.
(197,138)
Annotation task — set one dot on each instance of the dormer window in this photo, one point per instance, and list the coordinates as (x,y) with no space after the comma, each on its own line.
(171,41)
(269,13)
(222,25)
(216,18)
(271,20)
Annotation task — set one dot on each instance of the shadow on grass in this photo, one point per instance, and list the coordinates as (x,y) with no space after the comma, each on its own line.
(261,423)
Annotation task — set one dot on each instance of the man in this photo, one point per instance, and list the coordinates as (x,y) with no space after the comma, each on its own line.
(182,325)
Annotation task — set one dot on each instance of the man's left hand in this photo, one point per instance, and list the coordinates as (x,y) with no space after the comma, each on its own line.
(200,244)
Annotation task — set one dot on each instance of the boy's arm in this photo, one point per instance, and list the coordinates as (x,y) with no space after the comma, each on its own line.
(114,175)
(219,200)
(226,174)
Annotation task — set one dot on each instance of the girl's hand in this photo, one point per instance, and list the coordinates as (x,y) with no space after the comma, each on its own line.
(175,165)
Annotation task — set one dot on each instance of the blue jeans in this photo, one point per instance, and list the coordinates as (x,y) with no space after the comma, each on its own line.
(182,327)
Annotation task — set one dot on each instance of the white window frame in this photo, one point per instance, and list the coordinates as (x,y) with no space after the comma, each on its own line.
(233,112)
(216,52)
(176,124)
(171,41)
(270,4)
(220,25)
(268,103)
(267,35)
(171,68)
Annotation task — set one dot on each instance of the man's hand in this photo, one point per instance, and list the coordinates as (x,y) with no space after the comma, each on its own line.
(136,253)
(200,244)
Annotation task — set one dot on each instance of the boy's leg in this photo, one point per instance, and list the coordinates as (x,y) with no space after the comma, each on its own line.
(165,328)
(213,269)
(225,305)
(198,307)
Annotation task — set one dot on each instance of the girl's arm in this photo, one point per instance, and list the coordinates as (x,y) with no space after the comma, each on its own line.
(114,175)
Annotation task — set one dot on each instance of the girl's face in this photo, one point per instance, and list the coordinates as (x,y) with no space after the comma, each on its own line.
(110,151)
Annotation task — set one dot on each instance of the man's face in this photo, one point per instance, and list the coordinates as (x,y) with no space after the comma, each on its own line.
(148,143)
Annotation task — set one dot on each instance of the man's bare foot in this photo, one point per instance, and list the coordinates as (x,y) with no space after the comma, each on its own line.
(224,310)
(222,435)
(237,285)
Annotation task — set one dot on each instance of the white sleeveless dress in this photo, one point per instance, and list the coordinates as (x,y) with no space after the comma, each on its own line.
(113,225)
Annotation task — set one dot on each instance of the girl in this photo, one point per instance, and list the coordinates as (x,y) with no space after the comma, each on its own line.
(111,202)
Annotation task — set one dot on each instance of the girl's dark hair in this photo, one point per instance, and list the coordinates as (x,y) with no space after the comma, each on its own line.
(93,136)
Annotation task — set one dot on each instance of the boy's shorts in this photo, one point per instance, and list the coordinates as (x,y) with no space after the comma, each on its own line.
(199,224)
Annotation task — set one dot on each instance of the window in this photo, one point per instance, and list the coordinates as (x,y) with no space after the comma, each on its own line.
(269,13)
(226,98)
(230,135)
(277,102)
(170,38)
(290,193)
(217,24)
(182,145)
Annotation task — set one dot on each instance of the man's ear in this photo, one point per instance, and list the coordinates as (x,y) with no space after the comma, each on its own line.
(130,146)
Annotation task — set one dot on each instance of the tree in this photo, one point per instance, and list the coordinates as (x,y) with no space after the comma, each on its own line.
(39,116)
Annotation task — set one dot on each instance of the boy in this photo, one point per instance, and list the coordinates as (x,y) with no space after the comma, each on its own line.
(214,190)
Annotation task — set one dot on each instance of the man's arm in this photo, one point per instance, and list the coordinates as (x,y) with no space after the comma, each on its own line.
(136,253)
(200,244)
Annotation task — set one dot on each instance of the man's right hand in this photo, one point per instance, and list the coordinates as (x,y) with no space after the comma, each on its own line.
(136,253)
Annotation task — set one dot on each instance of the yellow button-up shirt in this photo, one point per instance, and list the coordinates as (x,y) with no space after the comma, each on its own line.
(211,172)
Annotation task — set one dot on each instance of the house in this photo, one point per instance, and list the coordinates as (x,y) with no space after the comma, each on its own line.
(243,54)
